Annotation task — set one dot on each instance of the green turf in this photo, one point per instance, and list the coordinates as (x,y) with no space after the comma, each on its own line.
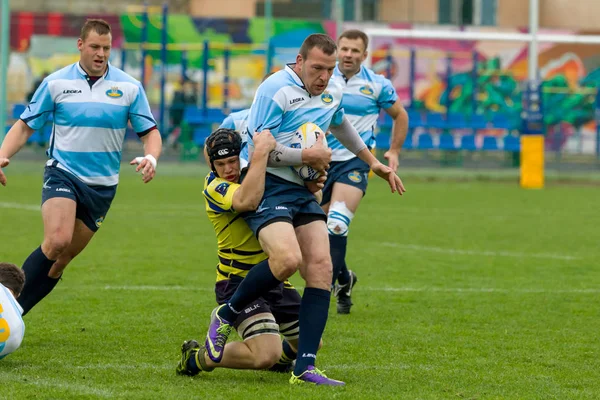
(476,290)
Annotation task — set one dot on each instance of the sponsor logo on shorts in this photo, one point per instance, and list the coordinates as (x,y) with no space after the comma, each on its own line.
(99,221)
(355,176)
(251,308)
(63,190)
(281,208)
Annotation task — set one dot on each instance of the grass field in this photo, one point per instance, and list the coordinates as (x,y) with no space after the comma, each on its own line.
(475,290)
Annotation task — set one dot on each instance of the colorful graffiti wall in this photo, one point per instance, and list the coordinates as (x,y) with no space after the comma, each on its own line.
(442,80)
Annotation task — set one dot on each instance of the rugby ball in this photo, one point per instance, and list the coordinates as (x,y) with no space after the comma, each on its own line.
(305,138)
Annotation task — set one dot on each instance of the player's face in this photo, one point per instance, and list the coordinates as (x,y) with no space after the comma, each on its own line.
(351,54)
(316,70)
(228,168)
(95,50)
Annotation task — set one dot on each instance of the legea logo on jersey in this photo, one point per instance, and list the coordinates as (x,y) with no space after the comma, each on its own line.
(99,221)
(326,97)
(114,92)
(366,90)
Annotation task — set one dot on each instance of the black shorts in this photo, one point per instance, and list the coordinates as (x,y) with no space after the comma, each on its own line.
(284,201)
(353,172)
(282,302)
(93,202)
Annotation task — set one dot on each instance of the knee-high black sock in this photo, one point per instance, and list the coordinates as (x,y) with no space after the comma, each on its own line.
(37,282)
(337,249)
(314,310)
(259,281)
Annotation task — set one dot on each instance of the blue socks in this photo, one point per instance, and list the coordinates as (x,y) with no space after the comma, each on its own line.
(337,249)
(314,310)
(37,282)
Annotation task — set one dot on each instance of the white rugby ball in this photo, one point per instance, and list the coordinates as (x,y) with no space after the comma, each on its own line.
(305,138)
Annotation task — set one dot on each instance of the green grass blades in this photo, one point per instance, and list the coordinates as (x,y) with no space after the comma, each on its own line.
(474,290)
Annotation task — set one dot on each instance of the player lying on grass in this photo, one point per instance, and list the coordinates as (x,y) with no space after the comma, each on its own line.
(261,322)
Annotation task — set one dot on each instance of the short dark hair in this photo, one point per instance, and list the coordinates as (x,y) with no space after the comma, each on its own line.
(319,40)
(355,34)
(12,277)
(100,26)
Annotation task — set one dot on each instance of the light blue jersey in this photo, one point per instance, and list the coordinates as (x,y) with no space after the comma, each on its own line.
(89,123)
(238,121)
(365,94)
(282,105)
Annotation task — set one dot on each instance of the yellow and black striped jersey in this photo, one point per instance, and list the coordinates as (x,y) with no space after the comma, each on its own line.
(238,248)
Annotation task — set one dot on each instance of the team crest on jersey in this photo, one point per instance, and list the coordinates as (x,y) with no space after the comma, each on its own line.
(114,92)
(222,188)
(326,97)
(366,90)
(99,221)
(354,176)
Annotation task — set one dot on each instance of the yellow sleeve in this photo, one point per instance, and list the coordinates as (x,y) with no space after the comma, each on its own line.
(219,194)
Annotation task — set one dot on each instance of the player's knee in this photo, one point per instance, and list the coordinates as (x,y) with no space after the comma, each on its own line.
(267,357)
(55,245)
(285,264)
(338,219)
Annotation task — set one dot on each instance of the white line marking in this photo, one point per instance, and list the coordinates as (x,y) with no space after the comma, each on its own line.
(489,253)
(18,206)
(378,289)
(52,383)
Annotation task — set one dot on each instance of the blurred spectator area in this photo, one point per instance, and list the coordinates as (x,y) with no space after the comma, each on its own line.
(580,14)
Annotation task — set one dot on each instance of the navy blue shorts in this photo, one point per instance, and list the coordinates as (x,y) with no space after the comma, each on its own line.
(353,172)
(93,202)
(284,201)
(283,302)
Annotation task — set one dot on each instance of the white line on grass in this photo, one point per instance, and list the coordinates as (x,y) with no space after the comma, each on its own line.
(28,207)
(380,289)
(56,384)
(489,253)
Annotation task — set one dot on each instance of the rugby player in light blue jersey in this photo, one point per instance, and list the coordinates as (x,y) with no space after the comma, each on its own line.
(91,102)
(289,222)
(238,121)
(365,95)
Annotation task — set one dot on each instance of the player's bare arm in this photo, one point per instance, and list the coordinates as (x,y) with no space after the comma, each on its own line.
(248,196)
(15,139)
(399,131)
(152,149)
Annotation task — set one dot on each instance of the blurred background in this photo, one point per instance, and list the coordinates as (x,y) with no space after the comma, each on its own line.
(467,99)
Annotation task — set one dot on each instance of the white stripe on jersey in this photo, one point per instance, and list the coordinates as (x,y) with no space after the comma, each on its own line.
(10,311)
(97,95)
(95,139)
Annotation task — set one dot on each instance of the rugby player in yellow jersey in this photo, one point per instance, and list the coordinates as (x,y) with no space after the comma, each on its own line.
(261,322)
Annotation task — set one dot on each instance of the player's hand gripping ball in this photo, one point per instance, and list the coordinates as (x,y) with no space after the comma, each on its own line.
(305,138)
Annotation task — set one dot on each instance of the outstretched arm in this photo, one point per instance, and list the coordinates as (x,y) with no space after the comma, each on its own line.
(15,139)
